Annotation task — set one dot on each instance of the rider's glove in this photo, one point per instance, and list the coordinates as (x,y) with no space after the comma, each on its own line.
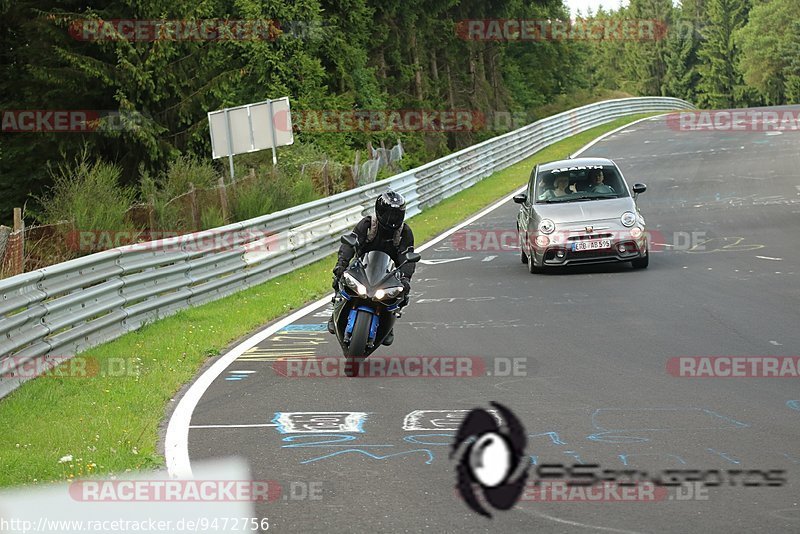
(338,271)
(406,291)
(406,286)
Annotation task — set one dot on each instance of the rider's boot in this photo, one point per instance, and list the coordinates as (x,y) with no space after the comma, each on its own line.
(389,339)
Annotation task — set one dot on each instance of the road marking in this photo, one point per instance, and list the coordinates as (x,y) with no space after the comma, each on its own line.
(584,525)
(312,327)
(235,426)
(443,260)
(768,258)
(488,258)
(176,441)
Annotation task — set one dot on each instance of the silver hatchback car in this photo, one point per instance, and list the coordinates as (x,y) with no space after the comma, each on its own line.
(580,211)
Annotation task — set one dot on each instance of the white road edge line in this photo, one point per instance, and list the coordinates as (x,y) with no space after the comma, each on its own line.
(235,426)
(176,441)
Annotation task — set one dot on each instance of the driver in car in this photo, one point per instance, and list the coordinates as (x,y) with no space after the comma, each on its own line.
(386,232)
(596,184)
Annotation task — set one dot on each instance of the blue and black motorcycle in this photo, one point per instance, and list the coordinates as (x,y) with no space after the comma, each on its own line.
(368,302)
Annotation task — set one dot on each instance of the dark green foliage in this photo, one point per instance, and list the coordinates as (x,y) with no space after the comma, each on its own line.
(353,55)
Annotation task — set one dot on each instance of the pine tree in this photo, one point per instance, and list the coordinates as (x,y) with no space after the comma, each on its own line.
(721,83)
(769,48)
(683,43)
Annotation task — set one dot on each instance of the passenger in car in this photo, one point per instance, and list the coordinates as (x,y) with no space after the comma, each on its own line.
(561,183)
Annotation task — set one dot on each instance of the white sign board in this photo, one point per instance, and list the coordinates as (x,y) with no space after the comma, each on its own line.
(250,128)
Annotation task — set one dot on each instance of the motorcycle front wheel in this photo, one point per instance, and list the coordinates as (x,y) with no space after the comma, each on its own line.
(357,348)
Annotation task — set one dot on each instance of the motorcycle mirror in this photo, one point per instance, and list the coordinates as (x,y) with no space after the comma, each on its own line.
(350,239)
(413,257)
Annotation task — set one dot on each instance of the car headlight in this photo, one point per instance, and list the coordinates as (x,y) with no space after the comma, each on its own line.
(628,219)
(546,226)
(388,293)
(351,282)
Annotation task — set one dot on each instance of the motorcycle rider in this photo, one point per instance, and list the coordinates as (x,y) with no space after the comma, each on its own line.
(386,232)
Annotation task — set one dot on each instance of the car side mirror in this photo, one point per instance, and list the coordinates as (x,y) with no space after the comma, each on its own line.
(413,257)
(639,188)
(522,198)
(350,239)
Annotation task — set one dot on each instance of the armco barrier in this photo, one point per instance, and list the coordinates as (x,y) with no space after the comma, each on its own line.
(66,308)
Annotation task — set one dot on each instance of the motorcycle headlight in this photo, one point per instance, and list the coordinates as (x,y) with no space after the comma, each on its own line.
(390,292)
(546,226)
(351,282)
(628,219)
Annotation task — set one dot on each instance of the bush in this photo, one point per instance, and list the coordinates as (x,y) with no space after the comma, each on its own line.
(88,195)
(172,215)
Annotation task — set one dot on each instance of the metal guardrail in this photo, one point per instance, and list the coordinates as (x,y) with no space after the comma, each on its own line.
(60,310)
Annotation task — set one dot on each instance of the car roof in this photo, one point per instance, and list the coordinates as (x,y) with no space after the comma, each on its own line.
(575,162)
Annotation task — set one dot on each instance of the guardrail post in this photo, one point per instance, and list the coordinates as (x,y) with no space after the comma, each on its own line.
(356,170)
(19,250)
(194,208)
(223,199)
(151,213)
(12,261)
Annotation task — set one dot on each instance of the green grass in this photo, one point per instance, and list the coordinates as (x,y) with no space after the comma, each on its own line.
(110,424)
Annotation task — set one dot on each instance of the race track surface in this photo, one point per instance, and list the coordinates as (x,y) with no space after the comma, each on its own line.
(591,345)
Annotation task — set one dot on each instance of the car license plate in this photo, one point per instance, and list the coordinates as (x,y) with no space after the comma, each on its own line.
(591,245)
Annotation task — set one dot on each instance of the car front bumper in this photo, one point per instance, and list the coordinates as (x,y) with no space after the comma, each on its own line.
(623,248)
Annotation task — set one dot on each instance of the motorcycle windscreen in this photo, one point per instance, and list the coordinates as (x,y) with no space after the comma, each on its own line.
(376,265)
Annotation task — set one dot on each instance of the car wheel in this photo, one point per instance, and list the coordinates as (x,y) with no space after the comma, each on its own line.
(641,263)
(522,256)
(532,268)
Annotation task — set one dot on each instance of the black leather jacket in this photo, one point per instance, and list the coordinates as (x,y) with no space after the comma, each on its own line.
(383,242)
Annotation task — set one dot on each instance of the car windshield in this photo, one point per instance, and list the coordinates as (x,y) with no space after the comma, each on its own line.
(579,183)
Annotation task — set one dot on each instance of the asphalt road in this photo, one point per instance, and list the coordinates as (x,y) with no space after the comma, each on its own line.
(595,342)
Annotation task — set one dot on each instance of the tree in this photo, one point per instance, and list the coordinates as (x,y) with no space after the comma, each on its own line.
(683,43)
(721,83)
(644,61)
(769,44)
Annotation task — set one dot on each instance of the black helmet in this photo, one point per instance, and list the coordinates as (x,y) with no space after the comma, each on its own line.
(390,208)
